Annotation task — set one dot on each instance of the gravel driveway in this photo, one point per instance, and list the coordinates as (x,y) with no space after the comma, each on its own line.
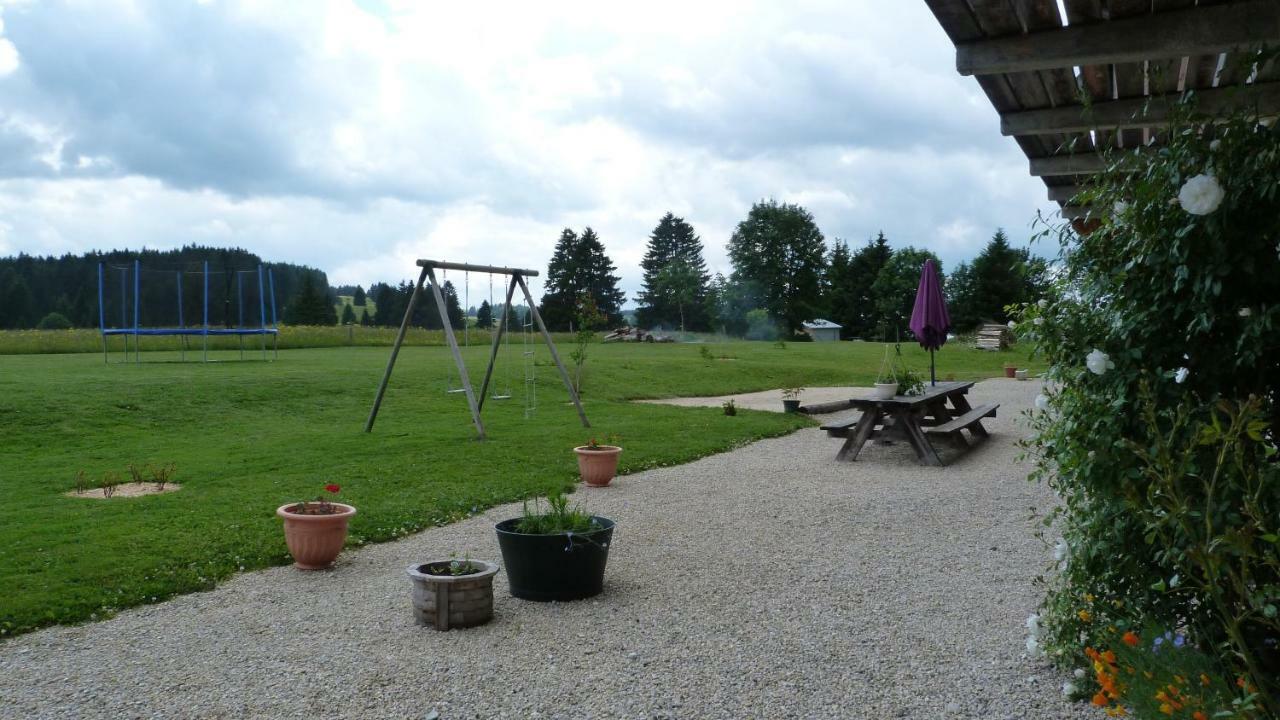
(767,582)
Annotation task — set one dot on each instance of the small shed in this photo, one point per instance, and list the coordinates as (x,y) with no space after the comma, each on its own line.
(822,330)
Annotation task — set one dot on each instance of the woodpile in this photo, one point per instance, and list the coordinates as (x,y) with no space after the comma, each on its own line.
(994,337)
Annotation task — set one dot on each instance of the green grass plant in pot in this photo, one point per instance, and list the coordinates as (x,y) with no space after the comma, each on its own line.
(316,530)
(556,553)
(598,462)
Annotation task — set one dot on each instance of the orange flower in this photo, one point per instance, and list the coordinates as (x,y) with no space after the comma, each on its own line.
(1130,638)
(1100,700)
(1110,657)
(1091,653)
(1197,715)
(1240,682)
(1166,709)
(1084,615)
(1147,674)
(1204,680)
(1117,711)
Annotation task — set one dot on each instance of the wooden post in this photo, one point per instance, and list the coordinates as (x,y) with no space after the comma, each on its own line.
(564,374)
(457,355)
(395,350)
(497,340)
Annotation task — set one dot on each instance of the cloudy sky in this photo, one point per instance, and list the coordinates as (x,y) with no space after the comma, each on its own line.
(358,135)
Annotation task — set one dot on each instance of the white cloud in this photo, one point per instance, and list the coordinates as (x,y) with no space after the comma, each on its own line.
(356,140)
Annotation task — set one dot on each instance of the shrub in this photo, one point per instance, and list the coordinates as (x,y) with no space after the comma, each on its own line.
(54,321)
(1158,428)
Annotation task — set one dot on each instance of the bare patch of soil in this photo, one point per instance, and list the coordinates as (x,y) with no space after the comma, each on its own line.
(125,490)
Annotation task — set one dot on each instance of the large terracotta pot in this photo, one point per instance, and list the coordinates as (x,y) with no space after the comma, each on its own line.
(597,467)
(315,540)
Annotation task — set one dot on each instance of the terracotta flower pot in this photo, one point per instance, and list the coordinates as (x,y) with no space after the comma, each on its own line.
(597,467)
(445,602)
(1009,370)
(315,540)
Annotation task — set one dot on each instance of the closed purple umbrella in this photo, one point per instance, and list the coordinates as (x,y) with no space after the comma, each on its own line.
(929,319)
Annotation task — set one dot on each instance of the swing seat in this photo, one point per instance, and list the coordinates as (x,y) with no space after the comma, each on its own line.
(455,392)
(500,397)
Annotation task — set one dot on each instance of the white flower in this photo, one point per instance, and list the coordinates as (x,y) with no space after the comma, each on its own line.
(1043,303)
(1099,362)
(1079,673)
(1042,402)
(1033,647)
(1244,312)
(1012,324)
(1033,625)
(1038,321)
(1213,146)
(1062,550)
(1120,207)
(1068,688)
(1200,195)
(1181,375)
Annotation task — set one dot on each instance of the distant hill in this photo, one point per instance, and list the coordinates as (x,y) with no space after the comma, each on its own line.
(31,287)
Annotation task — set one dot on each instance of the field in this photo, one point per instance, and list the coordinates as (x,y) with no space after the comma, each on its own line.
(249,436)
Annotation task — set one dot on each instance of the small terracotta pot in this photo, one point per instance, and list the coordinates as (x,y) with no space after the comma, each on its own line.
(315,540)
(1009,370)
(597,467)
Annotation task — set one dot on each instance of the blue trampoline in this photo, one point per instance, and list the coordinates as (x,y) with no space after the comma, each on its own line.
(147,309)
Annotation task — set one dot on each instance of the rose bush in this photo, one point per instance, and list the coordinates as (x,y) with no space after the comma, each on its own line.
(1157,427)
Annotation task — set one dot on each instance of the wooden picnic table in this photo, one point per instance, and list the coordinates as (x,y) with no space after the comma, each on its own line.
(941,409)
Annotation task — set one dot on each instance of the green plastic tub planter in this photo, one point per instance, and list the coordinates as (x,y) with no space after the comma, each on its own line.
(558,566)
(791,406)
(446,601)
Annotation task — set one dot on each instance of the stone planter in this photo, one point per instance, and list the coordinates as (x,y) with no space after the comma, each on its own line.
(561,566)
(1020,374)
(446,602)
(315,540)
(598,466)
(884,391)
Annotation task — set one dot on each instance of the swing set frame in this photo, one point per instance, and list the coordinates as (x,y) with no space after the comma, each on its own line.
(476,404)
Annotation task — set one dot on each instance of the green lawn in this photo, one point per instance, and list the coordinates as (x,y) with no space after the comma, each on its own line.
(249,436)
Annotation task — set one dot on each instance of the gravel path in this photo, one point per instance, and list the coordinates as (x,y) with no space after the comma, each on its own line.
(768,582)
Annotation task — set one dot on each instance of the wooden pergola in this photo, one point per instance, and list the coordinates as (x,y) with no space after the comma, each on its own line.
(1108,75)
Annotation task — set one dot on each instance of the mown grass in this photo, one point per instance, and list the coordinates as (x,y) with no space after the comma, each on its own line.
(248,437)
(89,340)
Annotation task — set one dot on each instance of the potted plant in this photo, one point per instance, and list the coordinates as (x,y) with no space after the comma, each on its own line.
(1021,373)
(886,380)
(791,399)
(597,462)
(1010,369)
(451,594)
(315,530)
(558,554)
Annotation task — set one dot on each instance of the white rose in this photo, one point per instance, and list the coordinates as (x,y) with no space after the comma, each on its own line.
(1061,551)
(1120,207)
(1042,402)
(1043,303)
(1200,195)
(1033,625)
(1079,673)
(1012,324)
(1033,646)
(1181,375)
(1245,312)
(1038,321)
(1068,688)
(1098,362)
(1213,146)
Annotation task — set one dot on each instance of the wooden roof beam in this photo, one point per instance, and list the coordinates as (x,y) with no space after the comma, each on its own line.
(1198,30)
(1139,112)
(1076,212)
(1078,163)
(1064,193)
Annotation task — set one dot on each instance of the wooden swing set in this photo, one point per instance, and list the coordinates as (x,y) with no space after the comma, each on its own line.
(475,403)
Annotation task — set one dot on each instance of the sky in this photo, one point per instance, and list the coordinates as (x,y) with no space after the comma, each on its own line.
(357,136)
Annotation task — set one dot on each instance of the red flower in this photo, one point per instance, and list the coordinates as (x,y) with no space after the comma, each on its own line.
(1130,638)
(332,488)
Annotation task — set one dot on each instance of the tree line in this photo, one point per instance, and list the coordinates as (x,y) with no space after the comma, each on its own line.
(57,292)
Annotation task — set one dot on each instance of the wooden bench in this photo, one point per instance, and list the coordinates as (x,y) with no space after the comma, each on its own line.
(971,421)
(842,428)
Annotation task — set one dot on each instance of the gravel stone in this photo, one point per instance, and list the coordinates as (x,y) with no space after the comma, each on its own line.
(766,582)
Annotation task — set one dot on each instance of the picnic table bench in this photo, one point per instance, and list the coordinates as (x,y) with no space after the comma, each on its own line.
(941,410)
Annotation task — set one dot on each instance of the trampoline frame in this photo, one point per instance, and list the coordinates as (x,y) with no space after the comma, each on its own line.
(204,331)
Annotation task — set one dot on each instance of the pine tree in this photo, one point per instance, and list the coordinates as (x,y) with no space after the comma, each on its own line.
(864,268)
(365,319)
(579,265)
(348,315)
(676,281)
(842,296)
(779,254)
(484,315)
(358,299)
(1002,276)
(311,306)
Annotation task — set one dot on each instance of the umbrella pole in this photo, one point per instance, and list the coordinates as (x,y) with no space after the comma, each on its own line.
(933,375)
